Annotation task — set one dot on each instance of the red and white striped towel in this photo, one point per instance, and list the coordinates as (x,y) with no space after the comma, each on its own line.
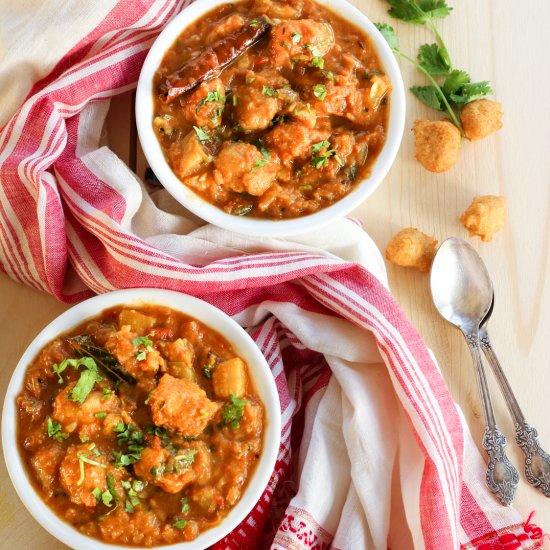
(374,452)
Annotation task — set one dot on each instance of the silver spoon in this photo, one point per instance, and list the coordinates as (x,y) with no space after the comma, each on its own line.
(537,461)
(462,292)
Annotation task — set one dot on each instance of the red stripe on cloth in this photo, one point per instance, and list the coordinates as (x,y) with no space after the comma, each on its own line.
(472,517)
(123,15)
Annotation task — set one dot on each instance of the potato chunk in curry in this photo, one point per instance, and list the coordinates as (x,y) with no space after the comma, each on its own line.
(243,169)
(181,405)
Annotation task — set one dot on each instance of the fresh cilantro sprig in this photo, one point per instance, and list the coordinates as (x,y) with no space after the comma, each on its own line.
(422,12)
(87,380)
(450,89)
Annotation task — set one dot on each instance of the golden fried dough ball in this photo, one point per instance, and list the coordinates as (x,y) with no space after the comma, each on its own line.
(485,216)
(437,144)
(481,118)
(412,248)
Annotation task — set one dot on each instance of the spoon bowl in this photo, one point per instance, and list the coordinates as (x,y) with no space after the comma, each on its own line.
(461,287)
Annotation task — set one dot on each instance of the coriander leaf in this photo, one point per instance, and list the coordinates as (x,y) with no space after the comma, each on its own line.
(434,59)
(250,79)
(321,160)
(97,493)
(128,507)
(329,75)
(389,35)
(418,12)
(185,459)
(470,92)
(55,431)
(87,362)
(316,147)
(201,134)
(180,524)
(184,505)
(320,91)
(269,91)
(437,9)
(313,49)
(455,81)
(107,498)
(144,341)
(263,149)
(407,10)
(112,488)
(207,372)
(232,413)
(318,62)
(429,96)
(101,414)
(85,384)
(296,36)
(260,163)
(141,355)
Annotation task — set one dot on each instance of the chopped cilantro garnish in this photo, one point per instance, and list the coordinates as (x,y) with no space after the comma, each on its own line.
(185,459)
(250,79)
(83,458)
(184,505)
(180,524)
(55,431)
(316,147)
(313,49)
(101,414)
(201,134)
(207,372)
(132,490)
(318,62)
(232,413)
(254,23)
(260,163)
(141,355)
(106,393)
(296,37)
(97,493)
(132,438)
(329,75)
(144,341)
(269,91)
(320,91)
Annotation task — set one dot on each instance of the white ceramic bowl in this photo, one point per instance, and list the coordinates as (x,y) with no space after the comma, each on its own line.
(251,226)
(210,316)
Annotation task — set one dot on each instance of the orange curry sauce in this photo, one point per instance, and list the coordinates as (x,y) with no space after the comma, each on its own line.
(290,125)
(149,435)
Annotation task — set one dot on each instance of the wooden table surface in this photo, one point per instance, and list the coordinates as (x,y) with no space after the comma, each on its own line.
(493,40)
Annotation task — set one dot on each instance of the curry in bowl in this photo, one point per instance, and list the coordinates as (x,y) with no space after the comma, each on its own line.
(271,109)
(140,427)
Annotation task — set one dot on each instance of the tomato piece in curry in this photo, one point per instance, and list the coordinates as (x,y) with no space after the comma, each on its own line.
(289,126)
(140,427)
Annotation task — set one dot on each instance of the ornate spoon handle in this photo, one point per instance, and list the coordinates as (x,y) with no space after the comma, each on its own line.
(537,461)
(501,476)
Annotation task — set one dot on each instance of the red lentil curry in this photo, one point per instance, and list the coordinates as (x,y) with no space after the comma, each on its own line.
(289,113)
(140,427)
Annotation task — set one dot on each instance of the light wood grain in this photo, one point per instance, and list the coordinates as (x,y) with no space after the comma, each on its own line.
(492,39)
